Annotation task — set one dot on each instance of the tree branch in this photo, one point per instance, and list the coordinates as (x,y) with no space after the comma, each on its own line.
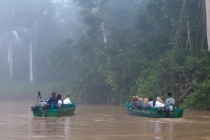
(185,93)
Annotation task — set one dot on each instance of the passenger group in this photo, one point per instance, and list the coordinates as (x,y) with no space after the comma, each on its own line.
(56,102)
(148,103)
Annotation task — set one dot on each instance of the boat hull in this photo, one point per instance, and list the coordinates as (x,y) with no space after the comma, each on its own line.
(153,112)
(67,110)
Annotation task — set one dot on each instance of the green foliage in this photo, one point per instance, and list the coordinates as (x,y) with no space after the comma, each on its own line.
(154,47)
(62,55)
(91,89)
(179,56)
(199,98)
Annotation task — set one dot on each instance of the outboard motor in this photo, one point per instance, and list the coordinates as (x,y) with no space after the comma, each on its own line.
(43,107)
(34,109)
(170,110)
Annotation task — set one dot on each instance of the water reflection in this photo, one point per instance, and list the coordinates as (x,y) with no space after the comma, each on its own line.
(41,127)
(162,128)
(93,122)
(67,126)
(154,125)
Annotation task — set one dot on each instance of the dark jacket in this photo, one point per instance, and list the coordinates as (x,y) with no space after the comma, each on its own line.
(53,100)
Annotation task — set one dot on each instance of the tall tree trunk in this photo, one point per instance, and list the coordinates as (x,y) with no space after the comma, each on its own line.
(9,57)
(105,39)
(179,28)
(31,63)
(188,36)
(98,4)
(208,22)
(104,33)
(1,52)
(8,54)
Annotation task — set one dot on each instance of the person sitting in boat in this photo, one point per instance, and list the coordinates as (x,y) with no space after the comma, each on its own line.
(170,103)
(145,105)
(170,100)
(159,103)
(133,102)
(136,102)
(60,102)
(53,101)
(139,102)
(67,100)
(151,102)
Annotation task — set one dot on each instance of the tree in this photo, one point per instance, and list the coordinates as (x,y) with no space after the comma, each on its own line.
(153,47)
(9,24)
(39,28)
(208,21)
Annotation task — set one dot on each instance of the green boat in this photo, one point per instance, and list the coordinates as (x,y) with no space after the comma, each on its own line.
(153,112)
(65,110)
(44,110)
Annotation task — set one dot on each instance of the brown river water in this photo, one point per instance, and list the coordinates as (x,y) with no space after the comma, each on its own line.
(99,122)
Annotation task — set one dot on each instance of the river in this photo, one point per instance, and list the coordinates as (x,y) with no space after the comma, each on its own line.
(99,122)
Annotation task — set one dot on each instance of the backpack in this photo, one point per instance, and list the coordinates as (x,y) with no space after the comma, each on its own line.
(54,105)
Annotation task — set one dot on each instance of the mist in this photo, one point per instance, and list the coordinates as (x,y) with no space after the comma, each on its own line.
(29,31)
(103,51)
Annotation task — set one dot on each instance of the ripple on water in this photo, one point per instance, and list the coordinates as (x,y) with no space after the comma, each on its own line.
(92,122)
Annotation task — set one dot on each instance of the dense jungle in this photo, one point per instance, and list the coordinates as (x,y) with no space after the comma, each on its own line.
(105,51)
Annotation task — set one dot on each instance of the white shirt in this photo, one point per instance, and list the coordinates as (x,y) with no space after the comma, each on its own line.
(59,101)
(66,101)
(150,103)
(159,104)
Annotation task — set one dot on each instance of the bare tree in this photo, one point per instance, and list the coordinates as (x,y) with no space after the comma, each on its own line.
(208,22)
(31,63)
(9,60)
